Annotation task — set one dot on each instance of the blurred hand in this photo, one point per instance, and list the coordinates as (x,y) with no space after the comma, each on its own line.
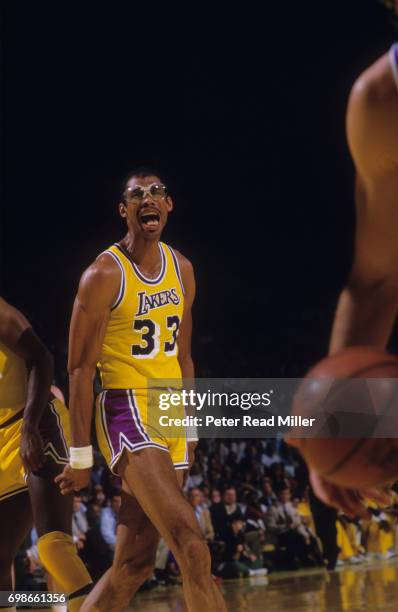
(72,479)
(350,501)
(31,449)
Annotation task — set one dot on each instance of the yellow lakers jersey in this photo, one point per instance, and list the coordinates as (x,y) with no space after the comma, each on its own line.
(141,336)
(13,383)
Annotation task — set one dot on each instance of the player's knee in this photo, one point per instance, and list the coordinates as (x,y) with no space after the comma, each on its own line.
(140,569)
(195,553)
(197,550)
(133,571)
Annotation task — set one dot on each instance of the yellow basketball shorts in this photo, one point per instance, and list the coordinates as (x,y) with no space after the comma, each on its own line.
(54,430)
(124,421)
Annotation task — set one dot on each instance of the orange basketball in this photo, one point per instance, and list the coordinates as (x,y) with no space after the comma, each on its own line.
(353,397)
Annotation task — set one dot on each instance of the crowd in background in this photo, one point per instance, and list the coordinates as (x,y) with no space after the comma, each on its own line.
(251,501)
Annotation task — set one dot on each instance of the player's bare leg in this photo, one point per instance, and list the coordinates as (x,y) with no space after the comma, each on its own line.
(151,477)
(134,561)
(15,522)
(53,520)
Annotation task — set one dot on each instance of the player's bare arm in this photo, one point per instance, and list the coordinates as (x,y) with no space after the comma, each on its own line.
(185,333)
(97,292)
(368,304)
(17,334)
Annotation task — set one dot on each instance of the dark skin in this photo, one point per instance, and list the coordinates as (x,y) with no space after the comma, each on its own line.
(17,335)
(43,502)
(368,305)
(153,502)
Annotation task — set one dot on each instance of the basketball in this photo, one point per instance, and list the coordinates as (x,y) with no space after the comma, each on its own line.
(353,396)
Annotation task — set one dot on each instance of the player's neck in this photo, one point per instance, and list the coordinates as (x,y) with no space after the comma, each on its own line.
(144,253)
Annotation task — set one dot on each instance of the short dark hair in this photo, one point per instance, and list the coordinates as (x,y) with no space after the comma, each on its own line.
(139,172)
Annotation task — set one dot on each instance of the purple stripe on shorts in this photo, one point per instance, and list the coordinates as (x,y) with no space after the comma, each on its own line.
(52,434)
(121,417)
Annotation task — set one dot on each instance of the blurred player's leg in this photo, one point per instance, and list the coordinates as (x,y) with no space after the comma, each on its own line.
(53,512)
(53,519)
(325,519)
(12,533)
(134,561)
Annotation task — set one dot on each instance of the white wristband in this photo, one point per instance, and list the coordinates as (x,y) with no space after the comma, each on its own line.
(192,439)
(81,458)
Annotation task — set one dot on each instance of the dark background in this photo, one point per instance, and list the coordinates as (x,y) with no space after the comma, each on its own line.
(242,110)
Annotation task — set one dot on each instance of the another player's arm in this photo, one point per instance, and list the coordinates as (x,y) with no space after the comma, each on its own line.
(97,293)
(185,334)
(368,304)
(17,334)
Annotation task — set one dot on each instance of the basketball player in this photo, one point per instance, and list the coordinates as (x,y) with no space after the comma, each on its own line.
(33,431)
(132,317)
(368,304)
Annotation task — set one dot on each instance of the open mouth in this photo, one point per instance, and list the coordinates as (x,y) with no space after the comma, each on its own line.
(149,220)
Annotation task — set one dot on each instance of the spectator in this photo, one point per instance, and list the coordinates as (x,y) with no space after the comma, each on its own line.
(254,515)
(79,522)
(238,559)
(97,469)
(162,574)
(202,514)
(108,520)
(277,474)
(96,554)
(215,497)
(223,513)
(99,495)
(93,513)
(270,455)
(268,497)
(195,477)
(284,521)
(205,494)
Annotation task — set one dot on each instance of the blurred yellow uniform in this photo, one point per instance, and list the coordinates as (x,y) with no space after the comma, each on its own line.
(54,425)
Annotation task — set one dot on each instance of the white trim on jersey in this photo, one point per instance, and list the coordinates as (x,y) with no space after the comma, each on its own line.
(141,277)
(176,267)
(394,62)
(122,287)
